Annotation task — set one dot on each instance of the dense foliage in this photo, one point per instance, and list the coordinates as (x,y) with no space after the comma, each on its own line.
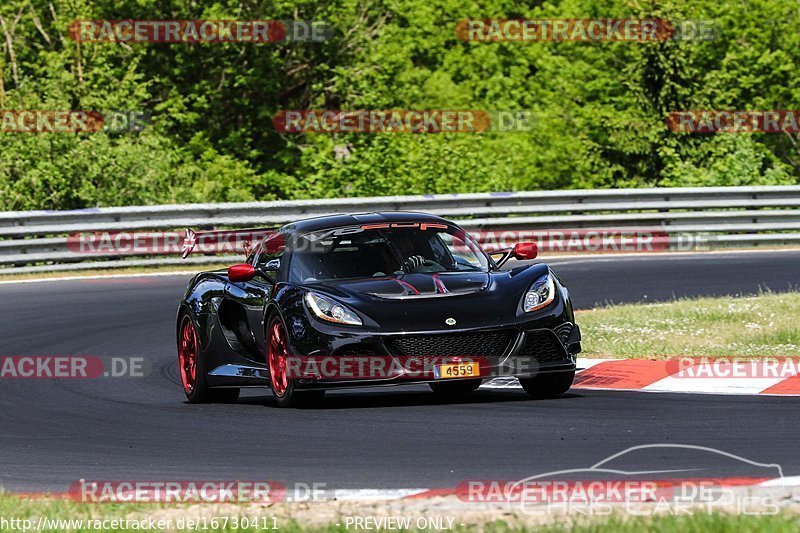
(599,107)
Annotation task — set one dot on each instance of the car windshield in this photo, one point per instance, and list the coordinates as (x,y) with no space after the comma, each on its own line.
(379,250)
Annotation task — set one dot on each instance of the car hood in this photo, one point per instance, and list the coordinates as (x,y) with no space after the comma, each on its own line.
(426,301)
(416,285)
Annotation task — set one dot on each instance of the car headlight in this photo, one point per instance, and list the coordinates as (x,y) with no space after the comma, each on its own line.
(541,294)
(330,310)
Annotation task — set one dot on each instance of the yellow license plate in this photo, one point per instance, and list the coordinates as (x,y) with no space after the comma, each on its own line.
(457,370)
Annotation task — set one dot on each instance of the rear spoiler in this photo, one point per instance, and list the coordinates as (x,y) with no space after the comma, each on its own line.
(223,240)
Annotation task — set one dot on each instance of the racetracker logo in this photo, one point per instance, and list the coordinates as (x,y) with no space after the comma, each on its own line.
(343,367)
(138,491)
(164,242)
(199,31)
(547,491)
(71,367)
(440,368)
(401,121)
(608,487)
(583,30)
(727,367)
(49,121)
(722,121)
(602,240)
(580,241)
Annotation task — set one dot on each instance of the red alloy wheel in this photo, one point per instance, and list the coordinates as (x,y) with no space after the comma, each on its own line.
(187,354)
(278,355)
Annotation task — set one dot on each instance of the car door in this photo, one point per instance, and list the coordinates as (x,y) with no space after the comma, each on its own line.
(248,299)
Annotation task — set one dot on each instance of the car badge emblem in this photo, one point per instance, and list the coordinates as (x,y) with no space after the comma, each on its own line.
(450,321)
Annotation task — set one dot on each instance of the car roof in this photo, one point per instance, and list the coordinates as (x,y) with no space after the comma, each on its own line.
(339,220)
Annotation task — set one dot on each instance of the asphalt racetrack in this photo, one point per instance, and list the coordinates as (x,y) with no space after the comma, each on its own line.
(55,432)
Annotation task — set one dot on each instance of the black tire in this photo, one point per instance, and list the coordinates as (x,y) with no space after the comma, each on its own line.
(548,385)
(308,398)
(198,390)
(226,395)
(294,397)
(284,388)
(462,386)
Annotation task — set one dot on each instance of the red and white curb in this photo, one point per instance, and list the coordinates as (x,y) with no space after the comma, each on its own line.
(771,378)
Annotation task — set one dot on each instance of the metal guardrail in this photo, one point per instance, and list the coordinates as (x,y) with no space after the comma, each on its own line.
(716,217)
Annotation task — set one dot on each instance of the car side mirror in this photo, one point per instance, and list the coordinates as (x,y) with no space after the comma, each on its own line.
(241,272)
(525,250)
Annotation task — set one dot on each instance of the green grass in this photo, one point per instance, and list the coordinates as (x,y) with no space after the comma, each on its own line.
(757,326)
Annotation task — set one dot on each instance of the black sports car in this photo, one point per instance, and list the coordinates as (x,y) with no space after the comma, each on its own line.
(374,299)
